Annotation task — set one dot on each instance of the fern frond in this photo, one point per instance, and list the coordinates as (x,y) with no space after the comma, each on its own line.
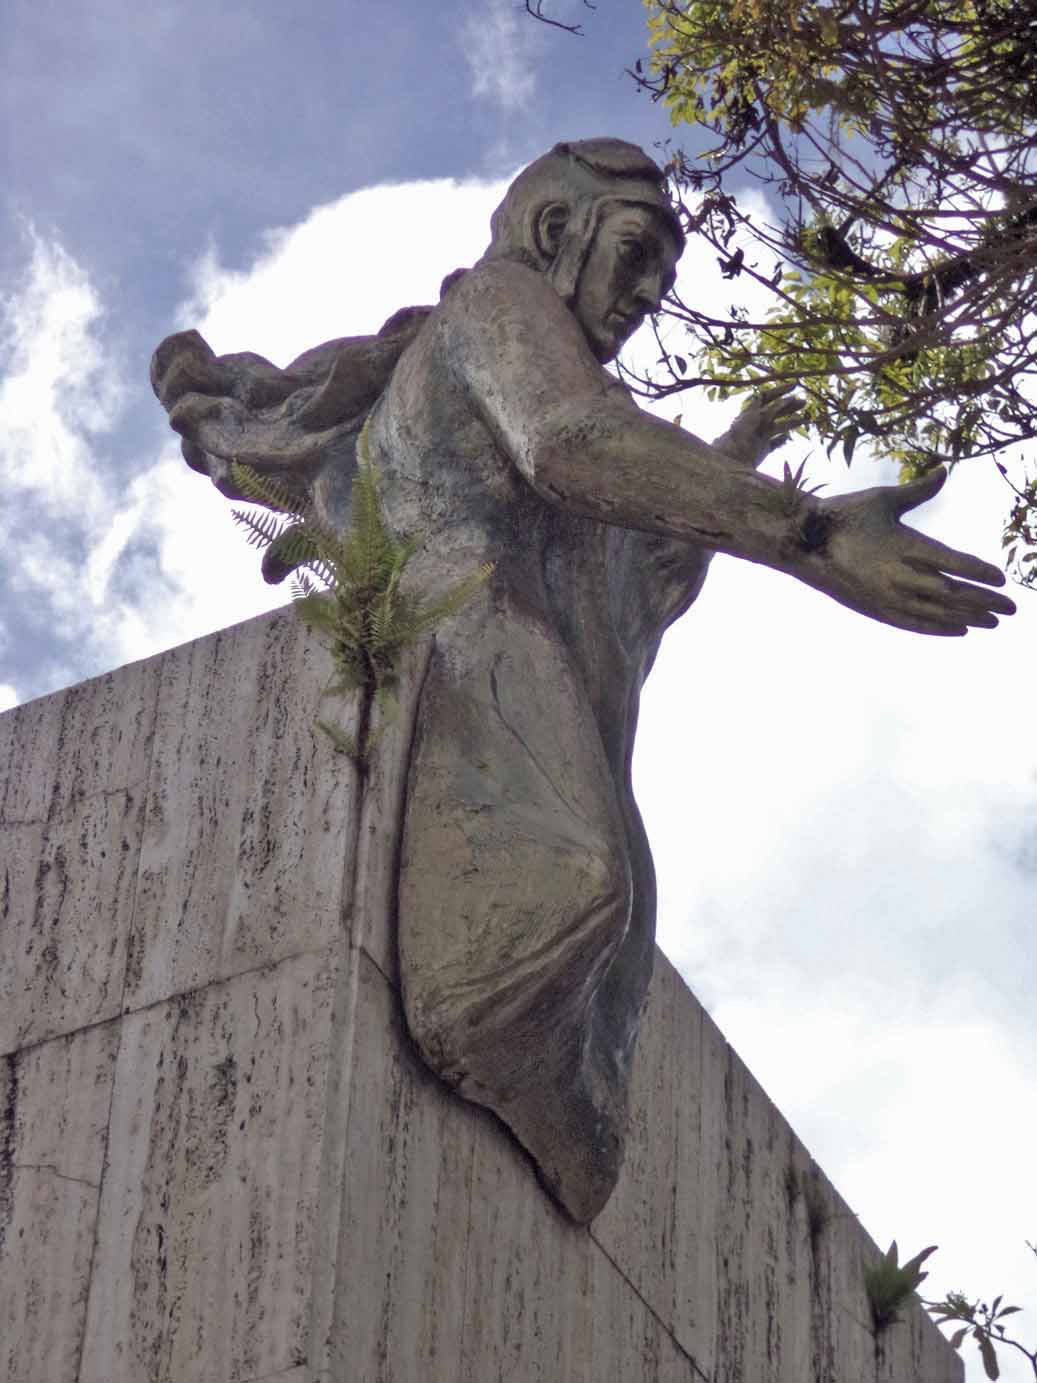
(262,489)
(295,546)
(261,529)
(427,616)
(371,551)
(303,588)
(346,686)
(348,587)
(385,612)
(325,572)
(317,609)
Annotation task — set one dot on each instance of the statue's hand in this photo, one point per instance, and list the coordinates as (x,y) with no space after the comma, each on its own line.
(197,391)
(185,364)
(857,551)
(762,426)
(230,408)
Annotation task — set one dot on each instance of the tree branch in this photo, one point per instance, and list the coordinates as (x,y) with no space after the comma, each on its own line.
(535,9)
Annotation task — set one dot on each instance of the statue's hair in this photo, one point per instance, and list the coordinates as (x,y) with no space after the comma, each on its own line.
(586,177)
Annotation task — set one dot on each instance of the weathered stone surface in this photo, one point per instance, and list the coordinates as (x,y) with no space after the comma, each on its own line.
(406,1203)
(529,1302)
(627,1340)
(664,1243)
(54,1100)
(204,1255)
(247,838)
(289,1194)
(749,1257)
(74,772)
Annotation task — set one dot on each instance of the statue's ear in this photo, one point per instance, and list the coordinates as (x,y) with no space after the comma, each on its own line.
(548,229)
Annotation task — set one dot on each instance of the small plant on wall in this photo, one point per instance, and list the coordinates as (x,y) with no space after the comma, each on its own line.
(890,1284)
(348,588)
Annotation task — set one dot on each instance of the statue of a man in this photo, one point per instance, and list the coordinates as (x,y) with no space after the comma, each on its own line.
(526,897)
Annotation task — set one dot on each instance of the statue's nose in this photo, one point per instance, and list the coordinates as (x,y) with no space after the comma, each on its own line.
(649,290)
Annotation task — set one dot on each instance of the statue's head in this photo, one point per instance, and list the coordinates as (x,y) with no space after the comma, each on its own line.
(595,218)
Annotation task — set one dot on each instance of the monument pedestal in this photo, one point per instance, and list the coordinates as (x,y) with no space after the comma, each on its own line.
(222,1161)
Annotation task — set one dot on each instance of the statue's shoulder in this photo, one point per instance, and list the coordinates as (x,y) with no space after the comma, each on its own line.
(495,282)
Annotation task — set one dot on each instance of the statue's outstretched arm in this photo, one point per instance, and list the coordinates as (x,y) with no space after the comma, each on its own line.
(581,442)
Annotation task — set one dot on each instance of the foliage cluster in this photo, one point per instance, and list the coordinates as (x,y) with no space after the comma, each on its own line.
(890,1284)
(984,1324)
(897,137)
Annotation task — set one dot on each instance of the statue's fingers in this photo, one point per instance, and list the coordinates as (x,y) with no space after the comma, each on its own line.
(976,605)
(920,616)
(780,431)
(794,418)
(787,411)
(982,599)
(901,498)
(170,349)
(760,403)
(936,556)
(920,623)
(950,619)
(956,600)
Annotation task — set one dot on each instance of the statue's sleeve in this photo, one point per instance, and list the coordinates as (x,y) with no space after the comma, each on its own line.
(521,357)
(289,423)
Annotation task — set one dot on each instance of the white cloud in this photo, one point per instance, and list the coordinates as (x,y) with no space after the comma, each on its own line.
(345,269)
(8,696)
(61,396)
(58,390)
(499,43)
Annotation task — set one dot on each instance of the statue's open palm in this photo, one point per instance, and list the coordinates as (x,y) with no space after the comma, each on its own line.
(863,556)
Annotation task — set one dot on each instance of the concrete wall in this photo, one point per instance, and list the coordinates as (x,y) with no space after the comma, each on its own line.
(220,1159)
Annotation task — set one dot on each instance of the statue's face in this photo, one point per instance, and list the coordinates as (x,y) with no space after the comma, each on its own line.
(629,270)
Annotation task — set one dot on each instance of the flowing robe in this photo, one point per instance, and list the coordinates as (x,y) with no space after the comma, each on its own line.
(526,902)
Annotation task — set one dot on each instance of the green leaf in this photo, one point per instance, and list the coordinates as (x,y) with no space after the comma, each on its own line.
(986,1351)
(850,439)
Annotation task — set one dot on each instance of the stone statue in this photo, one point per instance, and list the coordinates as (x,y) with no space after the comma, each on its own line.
(526,896)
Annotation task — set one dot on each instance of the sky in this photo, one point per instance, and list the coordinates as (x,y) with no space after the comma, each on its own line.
(843,816)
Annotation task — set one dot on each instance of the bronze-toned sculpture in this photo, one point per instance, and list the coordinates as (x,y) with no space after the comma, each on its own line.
(526,890)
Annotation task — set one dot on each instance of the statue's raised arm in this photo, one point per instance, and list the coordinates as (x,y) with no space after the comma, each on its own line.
(526,901)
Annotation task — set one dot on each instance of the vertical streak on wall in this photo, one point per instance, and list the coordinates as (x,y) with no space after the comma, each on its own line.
(221,1158)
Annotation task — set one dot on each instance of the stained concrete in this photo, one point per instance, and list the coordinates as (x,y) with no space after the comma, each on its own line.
(222,1159)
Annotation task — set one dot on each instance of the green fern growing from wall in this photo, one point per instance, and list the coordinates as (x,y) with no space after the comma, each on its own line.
(348,588)
(890,1284)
